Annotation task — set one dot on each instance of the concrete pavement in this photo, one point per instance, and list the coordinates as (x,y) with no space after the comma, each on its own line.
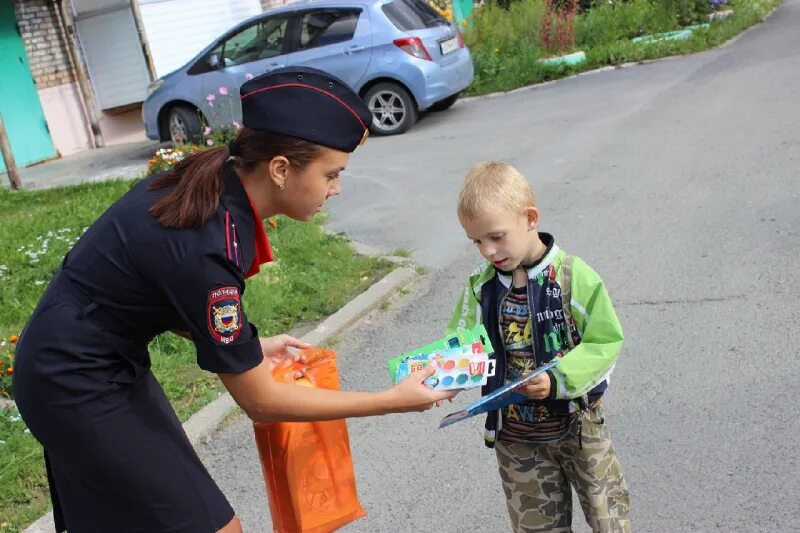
(124,161)
(676,180)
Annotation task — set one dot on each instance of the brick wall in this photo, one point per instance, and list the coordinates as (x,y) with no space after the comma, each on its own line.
(47,53)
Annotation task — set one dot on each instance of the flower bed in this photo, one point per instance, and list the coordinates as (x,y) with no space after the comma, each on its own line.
(7,351)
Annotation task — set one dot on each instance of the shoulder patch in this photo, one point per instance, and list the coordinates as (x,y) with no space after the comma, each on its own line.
(224,314)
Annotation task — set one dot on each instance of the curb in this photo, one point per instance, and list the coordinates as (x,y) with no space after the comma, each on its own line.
(206,420)
(535,86)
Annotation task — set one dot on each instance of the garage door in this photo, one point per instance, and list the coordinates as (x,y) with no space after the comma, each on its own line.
(113,52)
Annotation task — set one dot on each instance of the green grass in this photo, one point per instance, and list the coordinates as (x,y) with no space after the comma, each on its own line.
(400,252)
(505,44)
(314,274)
(23,486)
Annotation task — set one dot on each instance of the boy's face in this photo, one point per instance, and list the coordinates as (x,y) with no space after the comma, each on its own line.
(505,240)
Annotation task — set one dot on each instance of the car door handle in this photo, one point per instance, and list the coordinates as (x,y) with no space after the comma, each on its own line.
(353,49)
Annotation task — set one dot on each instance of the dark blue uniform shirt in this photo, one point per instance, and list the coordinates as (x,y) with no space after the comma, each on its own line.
(116,456)
(146,279)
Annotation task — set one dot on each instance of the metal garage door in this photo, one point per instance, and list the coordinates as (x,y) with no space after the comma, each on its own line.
(113,51)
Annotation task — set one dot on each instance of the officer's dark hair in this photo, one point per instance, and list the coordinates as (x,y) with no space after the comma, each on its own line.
(196,181)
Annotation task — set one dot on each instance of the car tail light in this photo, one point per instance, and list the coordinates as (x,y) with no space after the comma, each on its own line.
(460,38)
(414,47)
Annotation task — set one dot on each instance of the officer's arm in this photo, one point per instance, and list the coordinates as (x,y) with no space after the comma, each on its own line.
(265,400)
(206,296)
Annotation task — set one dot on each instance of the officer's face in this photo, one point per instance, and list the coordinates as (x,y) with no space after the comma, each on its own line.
(307,190)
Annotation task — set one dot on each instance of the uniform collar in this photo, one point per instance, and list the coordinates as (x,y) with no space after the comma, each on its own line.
(255,247)
(262,246)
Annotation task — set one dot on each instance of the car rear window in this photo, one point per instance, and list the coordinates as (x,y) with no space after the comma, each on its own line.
(409,15)
(327,26)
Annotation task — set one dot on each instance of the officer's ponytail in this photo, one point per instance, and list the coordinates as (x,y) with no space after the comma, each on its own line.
(196,181)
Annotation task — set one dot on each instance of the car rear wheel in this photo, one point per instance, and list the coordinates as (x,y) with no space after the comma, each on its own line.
(184,126)
(446,103)
(393,109)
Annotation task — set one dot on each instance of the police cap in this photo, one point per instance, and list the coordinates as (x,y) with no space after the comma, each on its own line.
(307,104)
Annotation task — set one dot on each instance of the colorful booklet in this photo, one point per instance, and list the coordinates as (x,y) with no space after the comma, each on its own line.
(502,397)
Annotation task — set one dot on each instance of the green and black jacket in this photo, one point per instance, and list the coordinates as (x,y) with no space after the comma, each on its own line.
(583,373)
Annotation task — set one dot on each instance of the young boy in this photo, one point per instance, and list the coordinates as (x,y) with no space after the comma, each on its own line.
(557,439)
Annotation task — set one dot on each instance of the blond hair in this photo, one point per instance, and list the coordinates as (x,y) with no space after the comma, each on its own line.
(494,185)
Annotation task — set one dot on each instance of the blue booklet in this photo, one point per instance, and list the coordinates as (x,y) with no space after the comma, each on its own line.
(502,397)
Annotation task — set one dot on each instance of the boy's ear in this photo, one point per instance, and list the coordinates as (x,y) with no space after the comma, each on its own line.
(532,214)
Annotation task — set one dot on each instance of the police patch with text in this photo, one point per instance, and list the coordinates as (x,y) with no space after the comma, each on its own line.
(225,314)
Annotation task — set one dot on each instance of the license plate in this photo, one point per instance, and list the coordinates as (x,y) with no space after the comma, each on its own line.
(448,46)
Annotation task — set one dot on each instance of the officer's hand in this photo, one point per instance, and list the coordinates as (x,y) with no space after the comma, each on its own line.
(412,394)
(278,349)
(536,389)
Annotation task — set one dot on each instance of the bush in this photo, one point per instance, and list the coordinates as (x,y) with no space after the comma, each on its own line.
(615,21)
(492,27)
(557,32)
(506,44)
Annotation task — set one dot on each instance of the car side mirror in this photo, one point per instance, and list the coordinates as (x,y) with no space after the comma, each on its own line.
(213,61)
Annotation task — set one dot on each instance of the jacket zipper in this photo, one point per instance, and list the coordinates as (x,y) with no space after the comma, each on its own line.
(534,332)
(505,354)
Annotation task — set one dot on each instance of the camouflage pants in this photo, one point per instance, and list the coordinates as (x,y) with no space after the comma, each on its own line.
(537,480)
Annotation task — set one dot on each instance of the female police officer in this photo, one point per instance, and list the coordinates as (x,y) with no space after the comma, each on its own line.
(172,254)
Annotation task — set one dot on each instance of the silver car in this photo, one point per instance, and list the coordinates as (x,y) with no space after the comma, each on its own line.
(401,56)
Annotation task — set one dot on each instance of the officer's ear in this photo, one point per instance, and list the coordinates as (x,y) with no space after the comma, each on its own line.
(279,168)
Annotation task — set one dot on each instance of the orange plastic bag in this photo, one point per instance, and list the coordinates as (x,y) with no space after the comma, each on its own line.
(308,467)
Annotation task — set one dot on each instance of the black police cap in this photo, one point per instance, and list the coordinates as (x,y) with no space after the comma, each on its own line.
(307,104)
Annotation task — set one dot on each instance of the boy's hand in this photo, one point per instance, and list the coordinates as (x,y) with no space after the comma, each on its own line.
(536,389)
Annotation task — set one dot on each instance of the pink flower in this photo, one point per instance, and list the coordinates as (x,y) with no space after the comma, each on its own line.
(248,76)
(223,90)
(210,98)
(210,142)
(237,125)
(206,131)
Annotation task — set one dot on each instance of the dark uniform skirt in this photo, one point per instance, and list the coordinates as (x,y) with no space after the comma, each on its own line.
(117,457)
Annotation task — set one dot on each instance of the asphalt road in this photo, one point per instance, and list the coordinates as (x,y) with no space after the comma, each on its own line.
(677,181)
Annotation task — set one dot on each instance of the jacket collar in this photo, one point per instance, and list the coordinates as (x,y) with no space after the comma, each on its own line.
(533,270)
